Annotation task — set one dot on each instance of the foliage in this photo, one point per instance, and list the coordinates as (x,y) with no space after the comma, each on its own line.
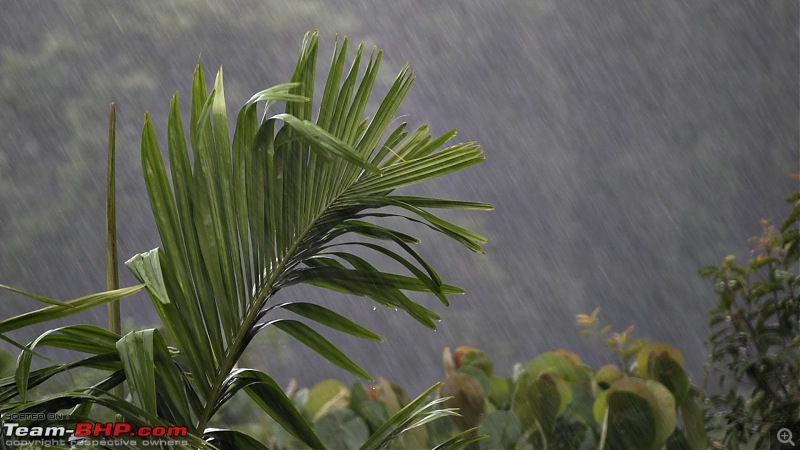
(620,344)
(241,220)
(556,401)
(58,309)
(755,355)
(581,150)
(345,418)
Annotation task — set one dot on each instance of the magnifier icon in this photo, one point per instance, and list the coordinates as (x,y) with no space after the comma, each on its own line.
(785,436)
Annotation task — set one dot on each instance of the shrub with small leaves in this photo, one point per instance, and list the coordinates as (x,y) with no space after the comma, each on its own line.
(755,341)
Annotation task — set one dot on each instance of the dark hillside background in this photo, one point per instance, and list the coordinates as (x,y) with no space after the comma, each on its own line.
(628,145)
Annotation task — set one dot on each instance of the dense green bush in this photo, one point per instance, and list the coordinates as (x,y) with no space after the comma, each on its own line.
(554,401)
(755,344)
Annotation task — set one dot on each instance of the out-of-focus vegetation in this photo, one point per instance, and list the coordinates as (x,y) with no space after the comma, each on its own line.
(755,345)
(554,401)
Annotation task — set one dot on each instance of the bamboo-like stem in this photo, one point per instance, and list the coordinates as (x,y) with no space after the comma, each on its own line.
(112,270)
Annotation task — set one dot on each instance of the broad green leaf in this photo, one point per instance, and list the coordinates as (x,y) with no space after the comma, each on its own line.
(626,412)
(341,428)
(503,429)
(372,410)
(648,354)
(693,423)
(631,421)
(665,365)
(537,401)
(663,409)
(559,365)
(465,394)
(324,396)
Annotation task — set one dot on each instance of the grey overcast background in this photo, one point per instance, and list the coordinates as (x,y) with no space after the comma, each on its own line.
(628,144)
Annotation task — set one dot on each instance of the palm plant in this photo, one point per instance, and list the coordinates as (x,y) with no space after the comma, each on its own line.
(241,220)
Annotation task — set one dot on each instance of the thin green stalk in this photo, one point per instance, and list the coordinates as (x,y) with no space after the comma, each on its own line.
(112,270)
(603,432)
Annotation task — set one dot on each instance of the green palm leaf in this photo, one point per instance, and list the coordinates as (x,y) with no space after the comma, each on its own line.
(266,393)
(274,207)
(154,380)
(82,338)
(58,310)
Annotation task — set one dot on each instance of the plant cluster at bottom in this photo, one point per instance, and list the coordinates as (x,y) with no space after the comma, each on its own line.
(554,401)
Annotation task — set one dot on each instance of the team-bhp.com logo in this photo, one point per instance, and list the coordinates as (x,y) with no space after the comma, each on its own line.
(85,434)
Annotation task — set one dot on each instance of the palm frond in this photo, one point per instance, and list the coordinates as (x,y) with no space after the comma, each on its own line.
(241,219)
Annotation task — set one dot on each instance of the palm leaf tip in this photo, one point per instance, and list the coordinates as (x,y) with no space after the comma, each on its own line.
(146,267)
